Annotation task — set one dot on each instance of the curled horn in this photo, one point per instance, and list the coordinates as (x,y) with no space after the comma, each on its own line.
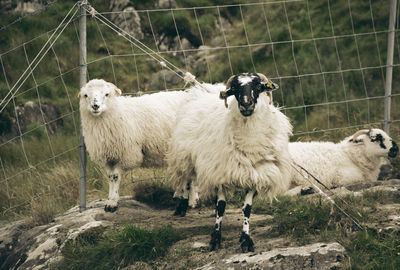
(228,83)
(263,78)
(360,132)
(270,98)
(225,94)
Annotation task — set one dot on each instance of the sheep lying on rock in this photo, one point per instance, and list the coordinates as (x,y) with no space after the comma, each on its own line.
(357,158)
(219,149)
(124,132)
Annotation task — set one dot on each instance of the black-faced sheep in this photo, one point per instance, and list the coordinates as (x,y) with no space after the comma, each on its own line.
(357,158)
(244,146)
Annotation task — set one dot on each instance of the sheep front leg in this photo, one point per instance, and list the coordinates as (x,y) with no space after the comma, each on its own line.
(183,200)
(114,179)
(215,242)
(193,196)
(246,243)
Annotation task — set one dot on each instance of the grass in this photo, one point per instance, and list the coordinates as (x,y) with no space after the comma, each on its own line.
(302,220)
(40,193)
(370,249)
(297,217)
(155,193)
(96,249)
(310,220)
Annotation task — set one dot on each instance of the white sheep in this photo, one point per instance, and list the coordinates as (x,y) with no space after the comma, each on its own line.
(357,158)
(122,132)
(244,146)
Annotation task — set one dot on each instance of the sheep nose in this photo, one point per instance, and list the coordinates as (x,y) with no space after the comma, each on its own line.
(247,104)
(394,150)
(95,106)
(246,101)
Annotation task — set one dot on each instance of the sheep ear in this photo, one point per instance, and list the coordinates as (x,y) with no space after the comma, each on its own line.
(79,95)
(118,91)
(268,84)
(224,95)
(271,86)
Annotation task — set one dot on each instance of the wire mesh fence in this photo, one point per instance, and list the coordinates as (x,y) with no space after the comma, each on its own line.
(329,58)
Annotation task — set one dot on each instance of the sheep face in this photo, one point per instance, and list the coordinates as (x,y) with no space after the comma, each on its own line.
(246,87)
(95,96)
(377,143)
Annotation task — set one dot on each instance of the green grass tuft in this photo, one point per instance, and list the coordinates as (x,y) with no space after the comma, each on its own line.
(155,193)
(297,217)
(306,220)
(98,250)
(373,250)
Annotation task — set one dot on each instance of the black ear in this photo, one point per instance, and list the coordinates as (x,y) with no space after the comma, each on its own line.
(225,94)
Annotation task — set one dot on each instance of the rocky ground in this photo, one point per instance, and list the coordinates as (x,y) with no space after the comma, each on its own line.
(37,247)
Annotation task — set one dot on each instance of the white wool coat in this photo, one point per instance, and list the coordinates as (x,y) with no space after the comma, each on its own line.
(334,164)
(223,148)
(133,131)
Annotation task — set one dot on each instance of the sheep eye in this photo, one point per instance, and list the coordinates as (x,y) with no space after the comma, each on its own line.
(85,96)
(107,95)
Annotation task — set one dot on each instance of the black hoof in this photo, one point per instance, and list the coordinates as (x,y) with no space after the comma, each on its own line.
(246,243)
(110,209)
(182,207)
(179,212)
(306,191)
(215,242)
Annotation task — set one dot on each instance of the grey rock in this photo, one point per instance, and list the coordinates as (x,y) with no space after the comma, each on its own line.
(164,79)
(138,266)
(314,256)
(202,59)
(375,185)
(174,44)
(29,113)
(166,4)
(126,17)
(36,248)
(22,6)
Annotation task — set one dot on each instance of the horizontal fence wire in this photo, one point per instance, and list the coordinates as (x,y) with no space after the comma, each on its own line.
(331,80)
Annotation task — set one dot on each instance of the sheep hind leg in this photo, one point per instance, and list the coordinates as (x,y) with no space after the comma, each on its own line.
(183,200)
(246,243)
(215,242)
(114,179)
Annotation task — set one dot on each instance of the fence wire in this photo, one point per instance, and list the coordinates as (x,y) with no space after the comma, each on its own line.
(327,56)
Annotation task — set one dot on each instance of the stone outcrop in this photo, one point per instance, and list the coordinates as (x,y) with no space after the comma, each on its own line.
(126,17)
(31,113)
(22,6)
(166,4)
(164,79)
(315,256)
